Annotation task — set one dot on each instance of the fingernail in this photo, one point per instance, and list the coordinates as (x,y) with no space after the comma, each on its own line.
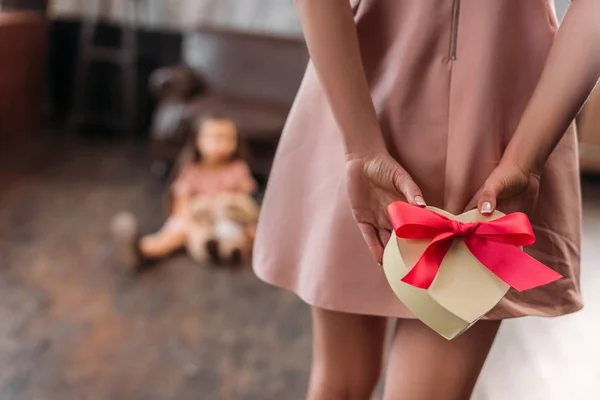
(380,265)
(420,202)
(486,207)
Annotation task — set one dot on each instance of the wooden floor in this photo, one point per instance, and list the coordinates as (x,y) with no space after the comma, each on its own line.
(74,325)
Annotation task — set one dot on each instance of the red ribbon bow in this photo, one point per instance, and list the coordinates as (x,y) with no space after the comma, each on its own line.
(493,243)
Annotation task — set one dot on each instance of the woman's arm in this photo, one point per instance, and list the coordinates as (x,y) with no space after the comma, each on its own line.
(332,42)
(374,178)
(572,69)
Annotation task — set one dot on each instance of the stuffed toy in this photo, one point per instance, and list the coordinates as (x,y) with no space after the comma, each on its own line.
(222,228)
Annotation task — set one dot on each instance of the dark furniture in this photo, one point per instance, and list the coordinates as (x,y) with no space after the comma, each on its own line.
(250,78)
(23,36)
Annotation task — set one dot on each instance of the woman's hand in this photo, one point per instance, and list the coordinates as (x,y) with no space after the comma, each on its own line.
(375,181)
(509,188)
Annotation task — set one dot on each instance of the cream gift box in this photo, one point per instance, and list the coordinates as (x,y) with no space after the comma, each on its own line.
(464,289)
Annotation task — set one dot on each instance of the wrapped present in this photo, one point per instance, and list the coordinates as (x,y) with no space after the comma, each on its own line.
(450,270)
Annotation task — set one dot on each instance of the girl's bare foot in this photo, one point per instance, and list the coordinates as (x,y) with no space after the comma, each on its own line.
(125,232)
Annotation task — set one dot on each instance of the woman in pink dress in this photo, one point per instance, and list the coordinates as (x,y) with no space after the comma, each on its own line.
(455,104)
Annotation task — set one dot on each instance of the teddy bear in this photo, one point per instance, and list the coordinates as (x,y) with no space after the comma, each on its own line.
(222,228)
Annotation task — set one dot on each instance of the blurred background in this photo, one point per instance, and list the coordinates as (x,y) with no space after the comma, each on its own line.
(96,101)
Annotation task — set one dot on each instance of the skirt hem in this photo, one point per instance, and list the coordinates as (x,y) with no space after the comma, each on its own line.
(553,312)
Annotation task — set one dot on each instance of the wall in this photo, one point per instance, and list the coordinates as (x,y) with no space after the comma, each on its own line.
(266,16)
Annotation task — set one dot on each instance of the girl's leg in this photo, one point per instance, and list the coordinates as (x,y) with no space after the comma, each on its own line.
(131,249)
(170,238)
(347,355)
(425,366)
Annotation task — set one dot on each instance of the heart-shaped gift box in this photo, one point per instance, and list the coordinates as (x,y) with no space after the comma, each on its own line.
(430,264)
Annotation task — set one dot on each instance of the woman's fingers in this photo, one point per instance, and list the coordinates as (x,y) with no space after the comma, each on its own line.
(488,195)
(409,189)
(505,182)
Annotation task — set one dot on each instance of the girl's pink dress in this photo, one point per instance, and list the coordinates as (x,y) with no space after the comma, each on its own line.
(196,180)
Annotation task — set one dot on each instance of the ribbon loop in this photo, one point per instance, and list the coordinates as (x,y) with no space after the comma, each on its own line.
(494,243)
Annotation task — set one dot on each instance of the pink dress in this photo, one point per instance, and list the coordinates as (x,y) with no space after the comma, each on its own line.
(450,80)
(196,180)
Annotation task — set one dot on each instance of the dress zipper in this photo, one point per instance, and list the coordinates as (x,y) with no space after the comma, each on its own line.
(454,32)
